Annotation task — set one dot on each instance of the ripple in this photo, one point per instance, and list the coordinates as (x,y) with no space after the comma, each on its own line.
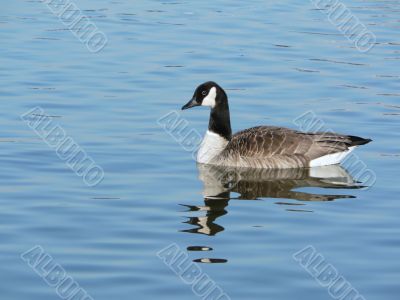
(211,260)
(199,248)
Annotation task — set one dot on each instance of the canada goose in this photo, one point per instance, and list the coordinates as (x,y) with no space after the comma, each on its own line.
(267,147)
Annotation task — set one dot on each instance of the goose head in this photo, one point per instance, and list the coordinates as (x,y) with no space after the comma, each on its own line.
(207,94)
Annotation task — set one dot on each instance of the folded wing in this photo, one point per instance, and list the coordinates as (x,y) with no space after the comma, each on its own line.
(268,142)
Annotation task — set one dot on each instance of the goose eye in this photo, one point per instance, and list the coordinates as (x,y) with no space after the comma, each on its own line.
(204,93)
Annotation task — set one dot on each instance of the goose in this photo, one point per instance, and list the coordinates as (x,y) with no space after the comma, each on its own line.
(266,147)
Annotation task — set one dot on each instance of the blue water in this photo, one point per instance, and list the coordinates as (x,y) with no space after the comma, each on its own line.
(277,60)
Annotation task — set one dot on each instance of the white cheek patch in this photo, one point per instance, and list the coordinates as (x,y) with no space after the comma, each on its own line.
(210,99)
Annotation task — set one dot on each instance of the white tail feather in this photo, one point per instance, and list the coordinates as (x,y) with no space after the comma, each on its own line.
(331,159)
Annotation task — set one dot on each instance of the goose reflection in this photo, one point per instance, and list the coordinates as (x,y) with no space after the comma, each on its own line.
(252,184)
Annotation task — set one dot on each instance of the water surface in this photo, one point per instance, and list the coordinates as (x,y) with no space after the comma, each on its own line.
(277,60)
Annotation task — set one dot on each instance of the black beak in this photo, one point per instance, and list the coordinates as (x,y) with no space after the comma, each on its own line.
(191,103)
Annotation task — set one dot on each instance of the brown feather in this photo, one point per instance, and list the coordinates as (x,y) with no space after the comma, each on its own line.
(278,147)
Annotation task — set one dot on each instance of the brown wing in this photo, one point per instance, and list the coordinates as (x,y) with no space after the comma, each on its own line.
(267,141)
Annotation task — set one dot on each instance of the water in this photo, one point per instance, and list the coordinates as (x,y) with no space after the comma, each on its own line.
(277,60)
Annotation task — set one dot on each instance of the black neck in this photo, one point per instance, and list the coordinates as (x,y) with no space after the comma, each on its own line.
(220,121)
